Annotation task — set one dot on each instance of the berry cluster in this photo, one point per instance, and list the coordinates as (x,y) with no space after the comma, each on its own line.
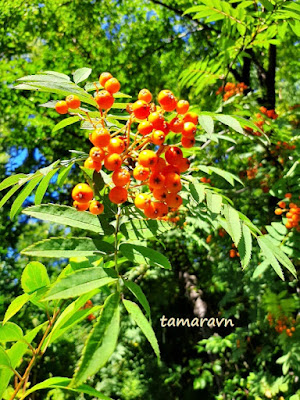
(292,211)
(144,168)
(233,252)
(231,89)
(260,120)
(269,113)
(285,146)
(283,323)
(71,102)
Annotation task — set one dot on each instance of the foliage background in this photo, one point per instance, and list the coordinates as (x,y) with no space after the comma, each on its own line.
(155,45)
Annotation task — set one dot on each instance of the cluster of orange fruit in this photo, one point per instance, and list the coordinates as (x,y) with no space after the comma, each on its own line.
(143,167)
(285,146)
(269,113)
(233,252)
(231,89)
(282,324)
(292,211)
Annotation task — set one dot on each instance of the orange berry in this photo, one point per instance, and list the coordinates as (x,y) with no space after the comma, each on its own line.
(104,77)
(159,166)
(176,125)
(118,195)
(141,109)
(162,209)
(182,106)
(187,142)
(278,211)
(289,215)
(165,128)
(97,154)
(61,107)
(80,206)
(160,194)
(112,85)
(158,137)
(292,205)
(121,177)
(289,225)
(104,99)
(145,95)
(141,200)
(157,120)
(173,183)
(82,193)
(174,200)
(183,165)
(91,164)
(141,173)
(145,128)
(282,204)
(73,101)
(152,210)
(157,180)
(191,117)
(112,161)
(288,195)
(96,207)
(208,239)
(116,145)
(293,329)
(173,155)
(100,137)
(189,129)
(169,169)
(167,100)
(232,253)
(147,158)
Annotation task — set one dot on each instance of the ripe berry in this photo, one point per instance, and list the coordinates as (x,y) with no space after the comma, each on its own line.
(96,207)
(104,77)
(160,194)
(278,211)
(100,137)
(187,142)
(141,173)
(112,85)
(289,225)
(176,125)
(141,200)
(73,101)
(162,209)
(169,169)
(145,95)
(82,193)
(61,107)
(173,155)
(118,195)
(189,129)
(158,137)
(173,183)
(97,154)
(182,106)
(157,120)
(157,180)
(232,253)
(174,200)
(159,166)
(165,128)
(167,100)
(183,165)
(141,109)
(91,164)
(151,210)
(112,161)
(288,195)
(282,204)
(145,128)
(104,100)
(80,206)
(116,145)
(121,177)
(191,117)
(147,158)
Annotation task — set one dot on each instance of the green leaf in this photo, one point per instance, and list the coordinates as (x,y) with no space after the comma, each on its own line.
(65,215)
(10,332)
(267,5)
(78,283)
(81,74)
(64,383)
(139,318)
(15,306)
(68,247)
(229,177)
(245,246)
(101,342)
(233,222)
(4,359)
(23,195)
(66,122)
(34,277)
(63,174)
(260,269)
(197,191)
(214,202)
(8,195)
(230,121)
(11,180)
(207,123)
(139,294)
(270,256)
(42,188)
(58,75)
(137,228)
(144,255)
